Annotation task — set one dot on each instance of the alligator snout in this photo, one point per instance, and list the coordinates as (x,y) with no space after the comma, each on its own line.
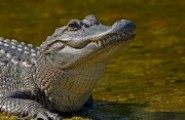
(123,26)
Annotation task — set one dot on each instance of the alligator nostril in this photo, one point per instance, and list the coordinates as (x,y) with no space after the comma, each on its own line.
(74,24)
(123,25)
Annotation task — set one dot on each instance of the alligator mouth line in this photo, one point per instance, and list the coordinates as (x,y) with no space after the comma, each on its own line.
(102,39)
(114,37)
(104,44)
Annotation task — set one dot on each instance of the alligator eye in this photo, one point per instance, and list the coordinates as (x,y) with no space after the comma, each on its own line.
(74,25)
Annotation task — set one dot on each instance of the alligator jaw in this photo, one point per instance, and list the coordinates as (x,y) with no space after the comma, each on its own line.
(78,43)
(104,44)
(122,30)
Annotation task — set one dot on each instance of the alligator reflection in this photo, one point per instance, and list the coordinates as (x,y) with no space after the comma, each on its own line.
(122,111)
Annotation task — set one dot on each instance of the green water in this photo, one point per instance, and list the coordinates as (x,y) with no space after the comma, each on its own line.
(146,82)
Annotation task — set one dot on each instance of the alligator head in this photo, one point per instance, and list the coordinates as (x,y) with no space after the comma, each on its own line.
(74,58)
(87,40)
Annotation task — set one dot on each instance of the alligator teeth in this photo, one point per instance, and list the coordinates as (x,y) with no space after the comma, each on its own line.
(109,38)
(99,42)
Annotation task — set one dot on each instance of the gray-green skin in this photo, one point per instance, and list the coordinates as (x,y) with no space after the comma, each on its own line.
(60,75)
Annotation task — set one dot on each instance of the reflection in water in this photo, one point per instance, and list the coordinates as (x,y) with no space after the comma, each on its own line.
(163,116)
(120,111)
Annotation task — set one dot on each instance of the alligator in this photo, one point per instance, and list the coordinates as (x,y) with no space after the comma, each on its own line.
(59,76)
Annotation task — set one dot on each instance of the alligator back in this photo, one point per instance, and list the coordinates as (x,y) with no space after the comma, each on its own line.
(16,66)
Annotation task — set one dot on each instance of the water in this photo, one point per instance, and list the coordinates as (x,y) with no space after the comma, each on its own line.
(146,82)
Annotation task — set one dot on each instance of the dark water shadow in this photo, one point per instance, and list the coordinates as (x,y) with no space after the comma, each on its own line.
(123,111)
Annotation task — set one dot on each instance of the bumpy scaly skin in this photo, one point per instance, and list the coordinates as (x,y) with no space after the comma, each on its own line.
(19,95)
(60,75)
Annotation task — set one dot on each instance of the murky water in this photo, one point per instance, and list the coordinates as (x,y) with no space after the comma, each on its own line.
(146,82)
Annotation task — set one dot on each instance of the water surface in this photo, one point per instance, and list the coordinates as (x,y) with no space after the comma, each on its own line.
(146,82)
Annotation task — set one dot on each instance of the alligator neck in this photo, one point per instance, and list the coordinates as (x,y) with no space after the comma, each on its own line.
(68,89)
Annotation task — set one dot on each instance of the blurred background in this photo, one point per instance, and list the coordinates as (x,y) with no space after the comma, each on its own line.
(146,82)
